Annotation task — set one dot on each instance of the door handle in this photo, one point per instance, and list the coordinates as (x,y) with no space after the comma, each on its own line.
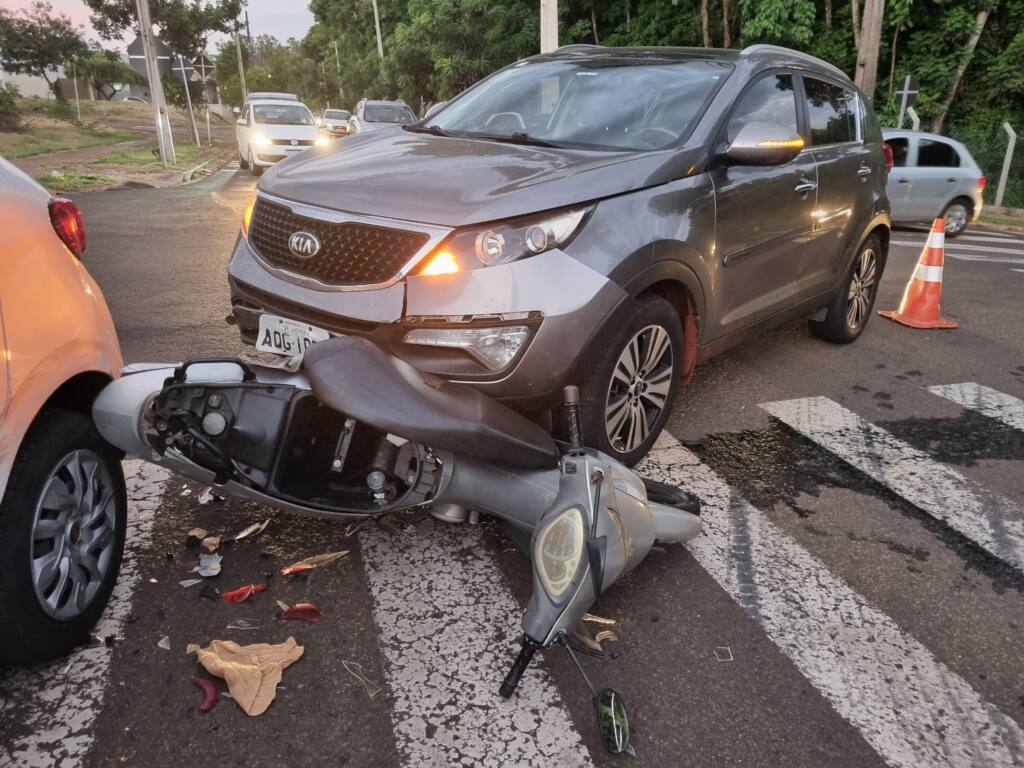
(805,186)
(950,179)
(902,181)
(864,171)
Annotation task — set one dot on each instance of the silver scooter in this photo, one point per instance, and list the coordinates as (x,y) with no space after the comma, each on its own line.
(359,433)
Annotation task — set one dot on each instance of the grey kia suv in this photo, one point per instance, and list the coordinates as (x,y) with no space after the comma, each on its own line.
(608,217)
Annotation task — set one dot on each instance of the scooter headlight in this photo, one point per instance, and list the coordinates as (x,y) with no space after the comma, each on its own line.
(559,550)
(489,246)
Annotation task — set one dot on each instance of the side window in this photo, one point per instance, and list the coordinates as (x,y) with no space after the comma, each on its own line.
(936,154)
(245,114)
(900,149)
(831,111)
(769,100)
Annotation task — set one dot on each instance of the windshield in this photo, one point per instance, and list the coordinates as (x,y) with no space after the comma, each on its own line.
(388,113)
(335,114)
(599,104)
(282,114)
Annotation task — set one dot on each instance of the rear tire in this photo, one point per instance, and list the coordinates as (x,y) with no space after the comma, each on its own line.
(848,312)
(957,216)
(82,524)
(626,394)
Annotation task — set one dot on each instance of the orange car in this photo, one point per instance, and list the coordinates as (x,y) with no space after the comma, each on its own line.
(62,493)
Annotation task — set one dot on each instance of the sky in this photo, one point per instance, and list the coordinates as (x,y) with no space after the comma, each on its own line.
(266,17)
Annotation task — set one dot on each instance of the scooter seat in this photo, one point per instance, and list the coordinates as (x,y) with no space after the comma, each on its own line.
(354,376)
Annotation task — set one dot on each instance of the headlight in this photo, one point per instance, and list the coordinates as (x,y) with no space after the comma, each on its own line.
(501,243)
(321,141)
(260,141)
(559,551)
(494,347)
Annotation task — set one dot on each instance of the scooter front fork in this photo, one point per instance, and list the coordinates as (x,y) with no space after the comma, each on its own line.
(511,681)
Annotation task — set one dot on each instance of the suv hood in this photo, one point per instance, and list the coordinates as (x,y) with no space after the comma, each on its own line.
(454,182)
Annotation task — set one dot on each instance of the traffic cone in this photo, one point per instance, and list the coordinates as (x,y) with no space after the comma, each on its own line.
(920,305)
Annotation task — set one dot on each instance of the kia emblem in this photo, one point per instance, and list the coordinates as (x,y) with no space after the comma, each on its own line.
(304,245)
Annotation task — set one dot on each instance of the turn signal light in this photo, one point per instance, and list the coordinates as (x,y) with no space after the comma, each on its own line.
(787,144)
(67,221)
(441,263)
(247,216)
(889,158)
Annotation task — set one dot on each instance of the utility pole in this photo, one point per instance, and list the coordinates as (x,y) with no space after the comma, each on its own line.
(376,23)
(248,34)
(548,25)
(156,88)
(870,40)
(188,99)
(337,61)
(241,69)
(74,80)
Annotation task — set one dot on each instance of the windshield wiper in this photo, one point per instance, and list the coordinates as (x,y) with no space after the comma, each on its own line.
(433,130)
(518,137)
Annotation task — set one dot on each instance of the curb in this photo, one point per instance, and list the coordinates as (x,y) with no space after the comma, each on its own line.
(186,176)
(999,227)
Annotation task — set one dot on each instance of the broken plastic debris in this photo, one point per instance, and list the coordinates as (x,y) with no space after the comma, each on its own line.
(253,530)
(190,582)
(356,670)
(723,653)
(211,694)
(210,543)
(599,620)
(312,562)
(606,634)
(196,535)
(108,639)
(245,624)
(153,581)
(165,643)
(186,491)
(209,565)
(242,594)
(282,606)
(252,672)
(300,612)
(208,495)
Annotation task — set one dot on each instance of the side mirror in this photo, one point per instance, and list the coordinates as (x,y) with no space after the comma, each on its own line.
(764,144)
(236,111)
(434,109)
(240,121)
(612,721)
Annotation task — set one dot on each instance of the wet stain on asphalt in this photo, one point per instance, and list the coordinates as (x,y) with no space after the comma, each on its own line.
(778,466)
(964,440)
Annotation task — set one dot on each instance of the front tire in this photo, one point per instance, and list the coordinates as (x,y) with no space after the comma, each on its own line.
(254,170)
(242,162)
(850,309)
(62,530)
(627,393)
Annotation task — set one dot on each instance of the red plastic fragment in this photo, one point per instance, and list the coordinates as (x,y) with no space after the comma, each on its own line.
(211,694)
(242,594)
(301,612)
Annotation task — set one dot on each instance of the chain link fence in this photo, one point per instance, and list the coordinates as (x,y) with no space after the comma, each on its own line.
(988,147)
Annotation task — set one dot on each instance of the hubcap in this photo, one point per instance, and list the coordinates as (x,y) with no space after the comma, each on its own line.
(862,287)
(73,534)
(955,219)
(639,388)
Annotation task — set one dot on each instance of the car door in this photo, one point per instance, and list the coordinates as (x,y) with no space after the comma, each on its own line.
(763,212)
(848,170)
(898,187)
(242,132)
(934,178)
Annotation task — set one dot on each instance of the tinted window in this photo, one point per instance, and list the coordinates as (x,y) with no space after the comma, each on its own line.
(770,100)
(831,111)
(282,114)
(335,114)
(387,113)
(931,154)
(900,148)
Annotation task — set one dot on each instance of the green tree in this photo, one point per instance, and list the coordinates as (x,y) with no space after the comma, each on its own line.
(103,69)
(35,41)
(183,24)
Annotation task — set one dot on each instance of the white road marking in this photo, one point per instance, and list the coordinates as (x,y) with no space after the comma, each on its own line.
(986,401)
(988,237)
(992,522)
(58,702)
(958,246)
(990,259)
(910,707)
(449,629)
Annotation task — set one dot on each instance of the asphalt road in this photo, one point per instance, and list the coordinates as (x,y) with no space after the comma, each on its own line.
(856,599)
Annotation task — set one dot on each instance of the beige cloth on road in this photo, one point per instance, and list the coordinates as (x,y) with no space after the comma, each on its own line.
(252,672)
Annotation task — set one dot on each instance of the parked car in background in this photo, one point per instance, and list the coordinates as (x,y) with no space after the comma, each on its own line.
(606,217)
(62,494)
(933,176)
(271,127)
(371,115)
(334,122)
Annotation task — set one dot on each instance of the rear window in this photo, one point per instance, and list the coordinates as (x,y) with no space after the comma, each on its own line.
(388,113)
(936,154)
(831,111)
(282,114)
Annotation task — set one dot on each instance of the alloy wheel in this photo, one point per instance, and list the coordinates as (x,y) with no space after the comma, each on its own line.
(639,389)
(862,287)
(955,218)
(73,534)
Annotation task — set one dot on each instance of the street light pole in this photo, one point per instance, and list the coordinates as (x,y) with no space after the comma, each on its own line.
(241,69)
(376,24)
(337,62)
(548,25)
(188,99)
(156,88)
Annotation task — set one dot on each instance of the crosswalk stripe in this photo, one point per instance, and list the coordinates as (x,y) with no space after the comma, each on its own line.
(986,238)
(59,701)
(995,259)
(985,400)
(911,708)
(439,602)
(988,520)
(958,246)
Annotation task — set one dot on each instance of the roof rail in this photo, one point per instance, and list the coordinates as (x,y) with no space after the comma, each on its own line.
(272,95)
(753,50)
(577,47)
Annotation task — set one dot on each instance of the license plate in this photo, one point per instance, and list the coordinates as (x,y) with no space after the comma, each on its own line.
(287,337)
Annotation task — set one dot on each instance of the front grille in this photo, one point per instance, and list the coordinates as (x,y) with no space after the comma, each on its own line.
(351,253)
(294,142)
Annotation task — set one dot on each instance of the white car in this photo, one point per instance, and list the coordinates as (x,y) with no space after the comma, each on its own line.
(62,492)
(334,122)
(273,126)
(372,115)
